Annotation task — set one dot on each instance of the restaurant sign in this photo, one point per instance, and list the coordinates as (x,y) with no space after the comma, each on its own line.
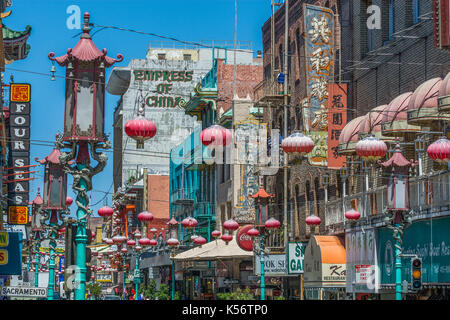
(274,265)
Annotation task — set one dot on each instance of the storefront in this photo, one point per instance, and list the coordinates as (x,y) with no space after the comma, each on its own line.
(213,267)
(362,263)
(429,240)
(325,269)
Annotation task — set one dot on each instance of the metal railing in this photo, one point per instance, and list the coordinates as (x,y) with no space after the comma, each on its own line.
(205,209)
(431,192)
(185,194)
(267,89)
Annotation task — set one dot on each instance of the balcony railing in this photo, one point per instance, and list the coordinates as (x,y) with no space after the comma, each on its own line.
(268,90)
(205,209)
(426,193)
(182,196)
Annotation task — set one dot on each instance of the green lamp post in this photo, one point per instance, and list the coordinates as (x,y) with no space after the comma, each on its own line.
(84,129)
(263,226)
(173,243)
(397,215)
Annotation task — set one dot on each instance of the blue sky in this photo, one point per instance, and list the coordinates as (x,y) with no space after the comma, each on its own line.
(193,20)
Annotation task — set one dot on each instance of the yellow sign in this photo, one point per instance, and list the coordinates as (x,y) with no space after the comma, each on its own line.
(18,215)
(3,257)
(4,239)
(20,92)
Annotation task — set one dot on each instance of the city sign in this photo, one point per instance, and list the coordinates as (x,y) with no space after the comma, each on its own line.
(296,257)
(362,273)
(29,292)
(274,265)
(17,215)
(20,92)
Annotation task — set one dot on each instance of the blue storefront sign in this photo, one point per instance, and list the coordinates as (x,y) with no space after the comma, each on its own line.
(429,239)
(10,253)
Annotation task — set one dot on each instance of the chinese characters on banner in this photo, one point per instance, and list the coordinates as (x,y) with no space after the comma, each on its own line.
(337,119)
(319,53)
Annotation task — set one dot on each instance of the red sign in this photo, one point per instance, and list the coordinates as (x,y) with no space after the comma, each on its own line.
(337,119)
(18,215)
(20,92)
(244,241)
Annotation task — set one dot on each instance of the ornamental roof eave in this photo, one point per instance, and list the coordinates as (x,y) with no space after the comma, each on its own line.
(10,35)
(85,50)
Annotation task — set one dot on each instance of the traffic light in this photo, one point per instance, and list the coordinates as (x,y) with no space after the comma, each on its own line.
(416,273)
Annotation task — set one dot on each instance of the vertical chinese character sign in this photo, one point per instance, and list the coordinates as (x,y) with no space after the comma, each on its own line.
(337,119)
(319,54)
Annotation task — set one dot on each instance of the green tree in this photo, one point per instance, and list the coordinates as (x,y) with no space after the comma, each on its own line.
(163,293)
(95,289)
(236,295)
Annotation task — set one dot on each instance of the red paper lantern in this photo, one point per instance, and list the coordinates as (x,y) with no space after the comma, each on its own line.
(140,129)
(215,136)
(131,242)
(313,220)
(124,250)
(144,241)
(352,214)
(253,232)
(189,223)
(371,149)
(105,211)
(119,239)
(216,233)
(439,150)
(199,240)
(172,242)
(230,225)
(153,242)
(69,201)
(297,144)
(145,216)
(137,235)
(227,237)
(272,223)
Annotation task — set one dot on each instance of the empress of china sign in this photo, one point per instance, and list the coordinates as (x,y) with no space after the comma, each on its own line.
(165,82)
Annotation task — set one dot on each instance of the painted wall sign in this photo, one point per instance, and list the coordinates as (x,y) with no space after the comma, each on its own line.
(337,119)
(319,44)
(274,265)
(164,81)
(296,257)
(244,241)
(10,253)
(362,273)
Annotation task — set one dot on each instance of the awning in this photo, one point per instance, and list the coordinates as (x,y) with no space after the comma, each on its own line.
(215,250)
(325,262)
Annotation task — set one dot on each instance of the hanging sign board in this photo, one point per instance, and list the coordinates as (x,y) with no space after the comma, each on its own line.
(17,215)
(296,257)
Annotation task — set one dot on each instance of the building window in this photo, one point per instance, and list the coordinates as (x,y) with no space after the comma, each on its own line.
(161,56)
(391,18)
(415,11)
(187,57)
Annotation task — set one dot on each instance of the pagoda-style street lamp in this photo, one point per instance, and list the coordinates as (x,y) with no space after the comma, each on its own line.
(263,225)
(37,233)
(84,129)
(397,216)
(53,208)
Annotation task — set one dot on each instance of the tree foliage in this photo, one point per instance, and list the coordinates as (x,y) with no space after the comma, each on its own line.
(236,295)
